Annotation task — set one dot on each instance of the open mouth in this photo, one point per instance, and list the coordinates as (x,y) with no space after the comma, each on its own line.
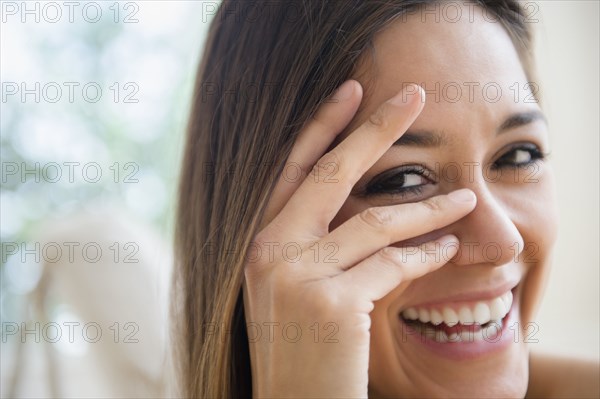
(461,322)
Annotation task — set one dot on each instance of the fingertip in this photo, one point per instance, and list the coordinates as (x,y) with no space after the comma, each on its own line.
(411,98)
(357,87)
(463,195)
(449,246)
(448,239)
(344,91)
(419,97)
(421,91)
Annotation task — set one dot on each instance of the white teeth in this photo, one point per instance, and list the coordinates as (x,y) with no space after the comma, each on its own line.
(436,317)
(497,309)
(507,299)
(467,335)
(481,312)
(465,315)
(424,315)
(450,317)
(454,337)
(489,334)
(411,314)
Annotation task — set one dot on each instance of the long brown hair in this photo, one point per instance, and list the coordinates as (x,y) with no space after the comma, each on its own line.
(266,67)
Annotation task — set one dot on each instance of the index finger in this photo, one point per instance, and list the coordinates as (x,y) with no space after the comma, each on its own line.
(320,196)
(314,139)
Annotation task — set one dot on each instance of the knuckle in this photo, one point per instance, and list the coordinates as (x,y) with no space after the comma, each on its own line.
(328,166)
(390,255)
(376,217)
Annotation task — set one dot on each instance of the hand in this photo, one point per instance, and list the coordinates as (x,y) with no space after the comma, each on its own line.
(308,292)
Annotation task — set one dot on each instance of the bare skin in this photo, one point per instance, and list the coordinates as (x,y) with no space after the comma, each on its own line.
(358,261)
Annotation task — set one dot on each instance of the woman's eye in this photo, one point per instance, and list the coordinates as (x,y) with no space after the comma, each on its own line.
(519,156)
(412,179)
(401,181)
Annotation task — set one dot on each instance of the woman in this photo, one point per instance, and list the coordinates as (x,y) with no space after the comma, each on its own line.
(365,206)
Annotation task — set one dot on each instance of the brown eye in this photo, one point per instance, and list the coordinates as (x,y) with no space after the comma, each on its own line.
(403,180)
(412,179)
(519,156)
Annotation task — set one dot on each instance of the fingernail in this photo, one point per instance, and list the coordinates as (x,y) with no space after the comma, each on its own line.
(462,195)
(407,95)
(344,91)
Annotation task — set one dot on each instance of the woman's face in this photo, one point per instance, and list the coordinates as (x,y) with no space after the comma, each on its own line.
(480,129)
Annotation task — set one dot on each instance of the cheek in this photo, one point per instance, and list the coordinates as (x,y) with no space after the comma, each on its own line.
(537,218)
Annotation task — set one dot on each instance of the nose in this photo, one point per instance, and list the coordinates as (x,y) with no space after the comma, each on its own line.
(487,235)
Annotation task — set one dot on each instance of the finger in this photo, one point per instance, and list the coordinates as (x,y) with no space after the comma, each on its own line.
(377,227)
(383,271)
(313,141)
(320,196)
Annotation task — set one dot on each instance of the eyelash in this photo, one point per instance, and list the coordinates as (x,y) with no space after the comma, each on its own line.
(533,150)
(379,184)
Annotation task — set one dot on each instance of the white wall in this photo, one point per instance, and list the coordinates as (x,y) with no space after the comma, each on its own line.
(567,53)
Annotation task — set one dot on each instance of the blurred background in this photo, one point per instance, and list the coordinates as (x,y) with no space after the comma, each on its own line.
(94,104)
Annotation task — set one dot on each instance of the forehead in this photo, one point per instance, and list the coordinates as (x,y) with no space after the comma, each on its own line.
(466,65)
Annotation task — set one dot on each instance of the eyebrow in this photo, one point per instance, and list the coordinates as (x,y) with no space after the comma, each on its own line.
(422,138)
(521,119)
(428,138)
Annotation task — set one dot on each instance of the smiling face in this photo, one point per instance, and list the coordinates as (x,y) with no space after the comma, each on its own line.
(480,129)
